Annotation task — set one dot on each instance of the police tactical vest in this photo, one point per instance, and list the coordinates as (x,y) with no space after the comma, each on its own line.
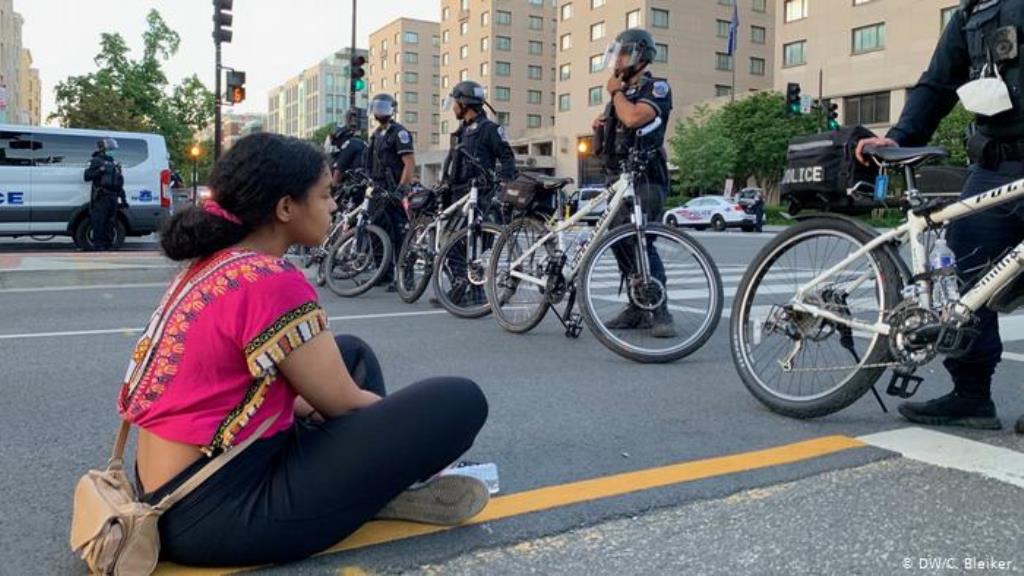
(993,32)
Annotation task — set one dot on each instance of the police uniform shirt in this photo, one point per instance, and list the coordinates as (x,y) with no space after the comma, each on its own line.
(965,47)
(350,157)
(487,142)
(656,93)
(387,146)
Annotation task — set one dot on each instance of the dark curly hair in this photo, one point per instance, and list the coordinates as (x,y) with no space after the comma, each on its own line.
(247,181)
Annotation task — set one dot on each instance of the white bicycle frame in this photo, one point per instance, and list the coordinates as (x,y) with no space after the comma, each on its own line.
(616,194)
(1000,275)
(445,216)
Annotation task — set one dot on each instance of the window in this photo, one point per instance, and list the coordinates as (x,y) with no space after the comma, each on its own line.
(503,43)
(758,34)
(595,96)
(485,44)
(503,18)
(412,58)
(464,5)
(866,109)
(436,99)
(536,48)
(596,63)
(566,11)
(435,119)
(633,19)
(565,72)
(444,59)
(564,102)
(533,120)
(463,75)
(721,90)
(659,18)
(794,53)
(757,66)
(869,38)
(411,38)
(534,96)
(795,10)
(760,6)
(445,14)
(502,93)
(63,150)
(535,73)
(503,118)
(435,138)
(411,98)
(411,117)
(723,61)
(946,16)
(536,23)
(463,52)
(485,19)
(722,28)
(444,126)
(435,40)
(726,2)
(597,31)
(444,37)
(444,82)
(565,42)
(485,69)
(398,78)
(463,28)
(596,3)
(502,69)
(661,52)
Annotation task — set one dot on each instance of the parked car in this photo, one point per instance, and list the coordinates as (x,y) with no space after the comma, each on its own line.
(586,195)
(746,196)
(715,212)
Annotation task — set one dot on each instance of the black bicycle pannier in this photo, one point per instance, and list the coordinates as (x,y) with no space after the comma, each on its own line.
(421,200)
(527,193)
(820,168)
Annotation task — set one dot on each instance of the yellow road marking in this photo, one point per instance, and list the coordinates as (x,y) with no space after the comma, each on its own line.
(380,532)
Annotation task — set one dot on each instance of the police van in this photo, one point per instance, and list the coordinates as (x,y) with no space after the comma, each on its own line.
(43,193)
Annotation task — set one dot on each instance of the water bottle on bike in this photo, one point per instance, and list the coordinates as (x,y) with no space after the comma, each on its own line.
(943,263)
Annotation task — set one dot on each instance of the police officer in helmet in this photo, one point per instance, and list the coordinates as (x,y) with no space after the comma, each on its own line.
(347,151)
(637,118)
(981,41)
(106,196)
(478,136)
(391,161)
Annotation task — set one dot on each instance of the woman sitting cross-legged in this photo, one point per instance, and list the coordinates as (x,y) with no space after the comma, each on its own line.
(240,338)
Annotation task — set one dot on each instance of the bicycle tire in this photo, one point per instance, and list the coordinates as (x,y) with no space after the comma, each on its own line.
(707,264)
(847,392)
(334,283)
(453,249)
(411,292)
(494,275)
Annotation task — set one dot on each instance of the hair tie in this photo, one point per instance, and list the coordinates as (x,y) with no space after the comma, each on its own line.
(212,207)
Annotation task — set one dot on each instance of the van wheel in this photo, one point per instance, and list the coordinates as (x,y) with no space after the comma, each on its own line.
(83,235)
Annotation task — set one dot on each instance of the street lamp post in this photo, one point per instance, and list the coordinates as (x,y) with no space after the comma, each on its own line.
(195,152)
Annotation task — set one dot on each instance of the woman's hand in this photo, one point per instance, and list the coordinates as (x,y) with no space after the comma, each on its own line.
(316,371)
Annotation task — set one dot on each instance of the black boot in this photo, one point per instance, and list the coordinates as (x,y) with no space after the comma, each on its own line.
(664,326)
(953,410)
(632,318)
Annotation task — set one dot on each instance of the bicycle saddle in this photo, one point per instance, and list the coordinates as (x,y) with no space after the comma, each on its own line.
(553,183)
(905,156)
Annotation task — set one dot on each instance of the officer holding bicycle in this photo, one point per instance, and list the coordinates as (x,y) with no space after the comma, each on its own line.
(479,137)
(979,55)
(347,151)
(636,120)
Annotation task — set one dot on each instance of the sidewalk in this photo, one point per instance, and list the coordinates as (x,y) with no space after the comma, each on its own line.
(44,269)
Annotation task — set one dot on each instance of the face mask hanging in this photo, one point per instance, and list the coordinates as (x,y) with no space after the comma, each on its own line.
(988,95)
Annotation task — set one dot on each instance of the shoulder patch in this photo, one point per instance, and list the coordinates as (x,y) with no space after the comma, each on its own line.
(403,137)
(502,133)
(660,89)
(345,145)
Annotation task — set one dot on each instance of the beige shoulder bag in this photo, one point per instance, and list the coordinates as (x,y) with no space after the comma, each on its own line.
(112,530)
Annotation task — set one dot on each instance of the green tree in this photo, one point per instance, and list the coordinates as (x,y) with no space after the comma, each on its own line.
(321,134)
(703,152)
(952,134)
(134,94)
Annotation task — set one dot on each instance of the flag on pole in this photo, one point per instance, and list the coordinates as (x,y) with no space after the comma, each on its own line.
(734,31)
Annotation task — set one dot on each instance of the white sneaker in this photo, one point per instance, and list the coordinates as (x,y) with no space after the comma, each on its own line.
(445,500)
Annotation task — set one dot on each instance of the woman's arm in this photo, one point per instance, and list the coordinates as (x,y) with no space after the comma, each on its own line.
(318,374)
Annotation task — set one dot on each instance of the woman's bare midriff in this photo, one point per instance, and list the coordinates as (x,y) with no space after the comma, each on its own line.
(160,460)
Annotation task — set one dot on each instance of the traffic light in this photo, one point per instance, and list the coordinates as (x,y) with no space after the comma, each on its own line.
(831,110)
(793,104)
(356,73)
(222,21)
(236,87)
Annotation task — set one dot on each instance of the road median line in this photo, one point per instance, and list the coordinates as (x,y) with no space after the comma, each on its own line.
(557,496)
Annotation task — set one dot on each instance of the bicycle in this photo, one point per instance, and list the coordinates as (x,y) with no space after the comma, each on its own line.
(362,254)
(531,272)
(341,219)
(830,304)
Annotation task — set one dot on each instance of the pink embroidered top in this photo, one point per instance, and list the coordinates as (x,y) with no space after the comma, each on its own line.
(205,370)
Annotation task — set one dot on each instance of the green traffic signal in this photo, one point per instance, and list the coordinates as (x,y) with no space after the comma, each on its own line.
(833,124)
(358,84)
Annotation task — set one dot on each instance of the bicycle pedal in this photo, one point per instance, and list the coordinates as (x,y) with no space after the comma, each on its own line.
(903,385)
(956,342)
(574,327)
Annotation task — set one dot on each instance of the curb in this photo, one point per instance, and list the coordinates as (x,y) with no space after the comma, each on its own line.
(92,277)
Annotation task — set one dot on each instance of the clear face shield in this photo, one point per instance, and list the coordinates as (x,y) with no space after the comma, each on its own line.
(620,57)
(381,108)
(109,144)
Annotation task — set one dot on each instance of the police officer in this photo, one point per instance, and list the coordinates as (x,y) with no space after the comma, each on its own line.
(107,194)
(391,161)
(478,136)
(637,101)
(347,151)
(980,41)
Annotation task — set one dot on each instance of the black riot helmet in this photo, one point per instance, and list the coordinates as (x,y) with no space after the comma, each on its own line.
(383,107)
(467,93)
(631,51)
(106,144)
(342,133)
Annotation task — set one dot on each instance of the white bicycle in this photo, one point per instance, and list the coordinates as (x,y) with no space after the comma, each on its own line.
(533,270)
(830,304)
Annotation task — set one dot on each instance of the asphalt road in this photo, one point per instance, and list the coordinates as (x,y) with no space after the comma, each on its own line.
(561,411)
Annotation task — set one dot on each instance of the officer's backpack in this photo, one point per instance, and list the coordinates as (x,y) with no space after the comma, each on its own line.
(111,178)
(821,168)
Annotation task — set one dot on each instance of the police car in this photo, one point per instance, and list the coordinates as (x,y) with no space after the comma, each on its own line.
(42,192)
(716,212)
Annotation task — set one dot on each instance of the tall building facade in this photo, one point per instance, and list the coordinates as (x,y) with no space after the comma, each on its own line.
(318,96)
(867,53)
(235,126)
(404,61)
(29,91)
(692,55)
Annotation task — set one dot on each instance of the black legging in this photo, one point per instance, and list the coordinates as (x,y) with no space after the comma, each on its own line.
(305,489)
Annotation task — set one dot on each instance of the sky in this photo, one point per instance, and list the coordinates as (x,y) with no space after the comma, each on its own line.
(273,39)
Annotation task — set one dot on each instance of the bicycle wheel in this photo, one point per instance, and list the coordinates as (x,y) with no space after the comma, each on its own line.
(321,272)
(459,279)
(690,293)
(518,306)
(358,260)
(799,364)
(416,260)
